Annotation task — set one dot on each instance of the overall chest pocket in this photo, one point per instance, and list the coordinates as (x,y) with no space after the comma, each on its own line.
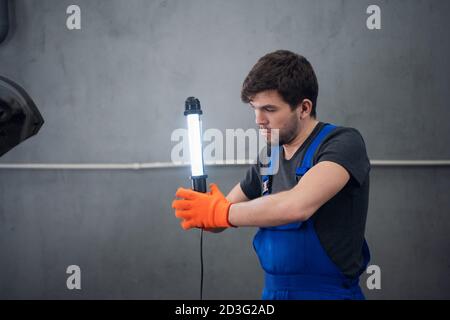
(281,250)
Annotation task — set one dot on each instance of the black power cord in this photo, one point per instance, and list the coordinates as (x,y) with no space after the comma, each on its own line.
(201,264)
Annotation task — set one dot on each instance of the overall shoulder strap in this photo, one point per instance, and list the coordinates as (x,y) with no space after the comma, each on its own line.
(266,184)
(307,162)
(268,177)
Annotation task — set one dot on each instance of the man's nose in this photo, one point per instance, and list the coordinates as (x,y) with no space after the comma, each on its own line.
(260,119)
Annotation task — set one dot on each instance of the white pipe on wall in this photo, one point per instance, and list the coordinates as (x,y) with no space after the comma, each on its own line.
(164,165)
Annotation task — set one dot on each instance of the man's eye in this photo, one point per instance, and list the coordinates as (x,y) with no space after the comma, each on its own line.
(270,110)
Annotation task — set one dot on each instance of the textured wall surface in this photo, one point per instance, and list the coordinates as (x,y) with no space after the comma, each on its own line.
(113,92)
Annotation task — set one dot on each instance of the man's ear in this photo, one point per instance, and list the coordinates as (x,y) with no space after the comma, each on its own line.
(304,108)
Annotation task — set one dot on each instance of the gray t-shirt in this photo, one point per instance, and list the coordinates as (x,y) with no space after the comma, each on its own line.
(340,222)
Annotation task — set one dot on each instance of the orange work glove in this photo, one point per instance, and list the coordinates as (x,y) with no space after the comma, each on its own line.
(202,210)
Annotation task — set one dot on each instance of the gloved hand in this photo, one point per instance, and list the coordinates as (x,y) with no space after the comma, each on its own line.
(202,210)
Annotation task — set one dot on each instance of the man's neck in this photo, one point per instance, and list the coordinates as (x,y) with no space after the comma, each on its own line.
(292,147)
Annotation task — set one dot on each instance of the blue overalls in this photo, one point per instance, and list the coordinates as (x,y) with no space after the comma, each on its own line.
(295,263)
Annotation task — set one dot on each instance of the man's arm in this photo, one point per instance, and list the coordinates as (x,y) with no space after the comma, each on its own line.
(322,182)
(236,195)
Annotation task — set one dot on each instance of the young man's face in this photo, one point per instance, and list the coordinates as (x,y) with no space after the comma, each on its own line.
(272,112)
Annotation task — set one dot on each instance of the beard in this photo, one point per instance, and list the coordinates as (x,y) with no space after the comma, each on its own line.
(288,133)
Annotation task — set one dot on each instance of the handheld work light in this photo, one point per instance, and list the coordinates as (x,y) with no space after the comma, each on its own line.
(192,112)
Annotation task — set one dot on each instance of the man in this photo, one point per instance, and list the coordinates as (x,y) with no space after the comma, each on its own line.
(311,214)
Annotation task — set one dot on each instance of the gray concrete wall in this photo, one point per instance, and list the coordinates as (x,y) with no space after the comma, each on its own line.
(114,92)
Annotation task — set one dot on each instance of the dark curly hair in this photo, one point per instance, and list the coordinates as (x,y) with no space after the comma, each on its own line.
(288,73)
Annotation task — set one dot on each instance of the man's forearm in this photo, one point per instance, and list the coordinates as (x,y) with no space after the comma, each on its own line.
(272,210)
(317,186)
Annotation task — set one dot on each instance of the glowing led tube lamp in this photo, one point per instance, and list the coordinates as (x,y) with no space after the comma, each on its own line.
(192,112)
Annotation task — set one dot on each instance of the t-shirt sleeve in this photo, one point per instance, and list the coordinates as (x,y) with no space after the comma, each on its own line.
(346,147)
(251,184)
